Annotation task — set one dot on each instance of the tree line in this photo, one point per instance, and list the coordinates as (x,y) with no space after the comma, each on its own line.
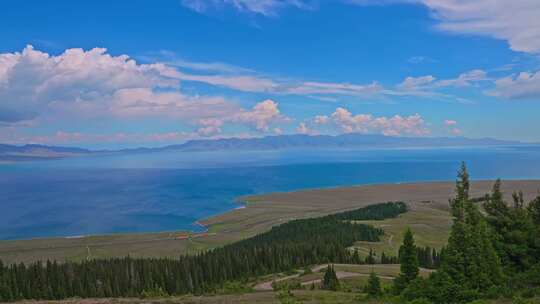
(291,245)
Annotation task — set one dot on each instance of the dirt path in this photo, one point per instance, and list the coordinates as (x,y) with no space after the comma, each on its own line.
(266,286)
(344,274)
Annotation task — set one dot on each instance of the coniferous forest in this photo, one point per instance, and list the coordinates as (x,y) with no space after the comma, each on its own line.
(294,244)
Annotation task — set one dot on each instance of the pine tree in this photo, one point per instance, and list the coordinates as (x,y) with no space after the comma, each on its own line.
(370,259)
(408,259)
(330,280)
(462,193)
(356,257)
(470,259)
(534,210)
(373,287)
(495,206)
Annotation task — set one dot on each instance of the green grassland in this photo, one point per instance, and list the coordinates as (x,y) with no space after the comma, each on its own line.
(428,218)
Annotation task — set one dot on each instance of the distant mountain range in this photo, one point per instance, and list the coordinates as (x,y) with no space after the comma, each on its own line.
(31,152)
(345,141)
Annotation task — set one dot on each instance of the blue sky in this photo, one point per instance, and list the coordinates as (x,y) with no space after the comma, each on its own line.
(146,73)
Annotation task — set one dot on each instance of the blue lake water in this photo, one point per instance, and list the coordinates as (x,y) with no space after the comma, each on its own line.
(170,191)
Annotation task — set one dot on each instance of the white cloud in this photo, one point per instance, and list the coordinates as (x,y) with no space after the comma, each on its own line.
(307,88)
(450,122)
(415,83)
(455,131)
(464,79)
(524,85)
(94,85)
(171,59)
(32,82)
(303,129)
(246,83)
(321,119)
(263,7)
(428,83)
(514,21)
(452,127)
(261,116)
(209,126)
(390,126)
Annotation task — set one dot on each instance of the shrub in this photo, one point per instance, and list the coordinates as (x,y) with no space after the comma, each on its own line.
(156,292)
(420,301)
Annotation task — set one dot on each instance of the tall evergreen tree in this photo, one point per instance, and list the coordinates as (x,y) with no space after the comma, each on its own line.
(370,259)
(462,193)
(373,287)
(495,206)
(470,258)
(408,259)
(330,280)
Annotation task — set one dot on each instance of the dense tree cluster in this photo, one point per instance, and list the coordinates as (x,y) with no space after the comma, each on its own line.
(294,244)
(373,286)
(490,253)
(330,280)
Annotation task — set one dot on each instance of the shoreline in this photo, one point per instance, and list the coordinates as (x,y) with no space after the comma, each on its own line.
(255,214)
(245,200)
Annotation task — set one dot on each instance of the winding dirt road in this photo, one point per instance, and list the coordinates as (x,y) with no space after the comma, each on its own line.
(267,286)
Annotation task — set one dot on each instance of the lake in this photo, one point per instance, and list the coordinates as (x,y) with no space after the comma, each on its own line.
(172,190)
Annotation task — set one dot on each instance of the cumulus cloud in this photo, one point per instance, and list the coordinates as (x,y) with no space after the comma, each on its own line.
(262,7)
(303,128)
(92,82)
(95,85)
(260,118)
(367,123)
(452,127)
(450,122)
(524,85)
(209,127)
(321,119)
(455,131)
